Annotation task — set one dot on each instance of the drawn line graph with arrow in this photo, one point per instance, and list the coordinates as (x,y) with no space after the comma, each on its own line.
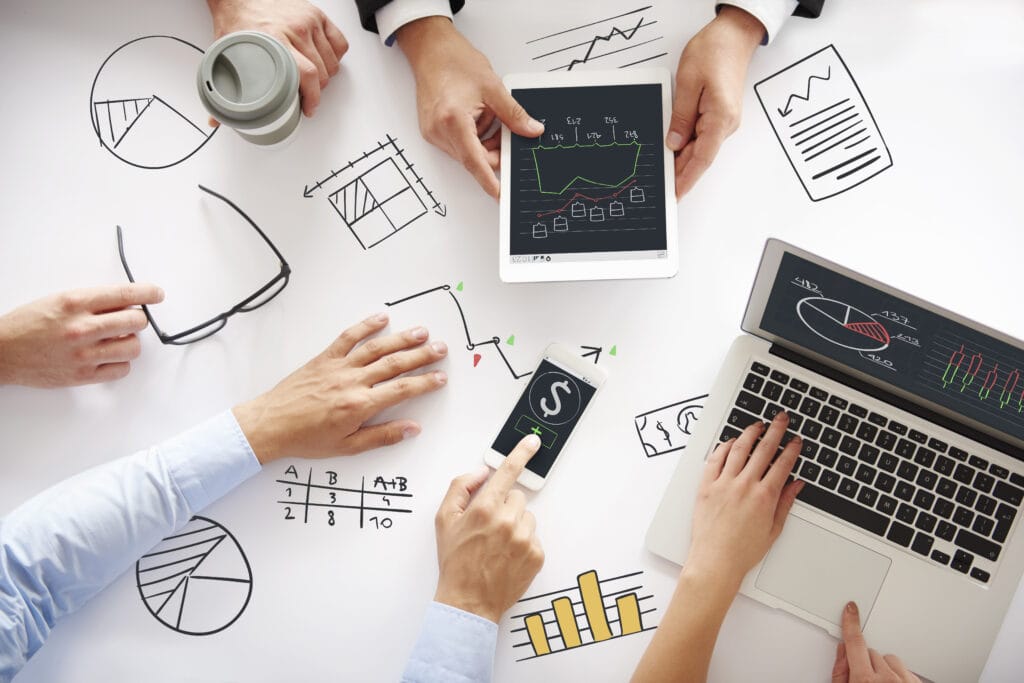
(378,193)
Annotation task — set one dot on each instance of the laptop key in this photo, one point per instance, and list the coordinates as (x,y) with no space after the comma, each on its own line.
(964,474)
(808,449)
(904,491)
(867,496)
(963,516)
(760,368)
(886,440)
(878,419)
(924,457)
(946,531)
(829,416)
(1008,494)
(809,407)
(799,385)
(906,513)
(1016,479)
(999,471)
(795,420)
(946,487)
(966,496)
(868,454)
(810,471)
(741,420)
(907,470)
(926,522)
(867,431)
(750,403)
(1004,520)
(940,557)
(982,525)
(919,437)
(886,504)
(979,462)
(985,505)
(940,446)
(819,394)
(859,411)
(848,487)
(846,465)
(905,448)
(753,382)
(922,544)
(885,483)
(772,391)
(791,399)
(945,465)
(844,509)
(827,457)
(958,453)
(961,561)
(848,424)
(897,427)
(829,480)
(729,433)
(984,482)
(830,437)
(811,429)
(923,499)
(849,445)
(865,474)
(980,574)
(837,402)
(926,479)
(973,543)
(943,508)
(772,410)
(888,462)
(780,377)
(900,534)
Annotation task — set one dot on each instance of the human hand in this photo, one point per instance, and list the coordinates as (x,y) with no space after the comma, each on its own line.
(856,663)
(459,96)
(742,502)
(79,337)
(321,409)
(315,42)
(487,550)
(709,92)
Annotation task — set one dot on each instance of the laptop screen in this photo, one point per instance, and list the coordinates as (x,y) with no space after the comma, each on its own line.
(919,351)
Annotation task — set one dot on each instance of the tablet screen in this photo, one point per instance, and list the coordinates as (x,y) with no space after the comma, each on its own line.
(592,188)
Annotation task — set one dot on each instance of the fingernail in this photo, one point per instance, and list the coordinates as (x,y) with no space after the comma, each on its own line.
(439,347)
(418,333)
(535,126)
(440,377)
(532,441)
(160,293)
(379,318)
(851,608)
(411,432)
(674,141)
(782,416)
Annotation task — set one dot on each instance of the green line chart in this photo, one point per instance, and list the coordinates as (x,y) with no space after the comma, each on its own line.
(610,164)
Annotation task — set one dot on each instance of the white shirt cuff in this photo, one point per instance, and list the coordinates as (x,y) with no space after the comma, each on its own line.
(398,13)
(771,13)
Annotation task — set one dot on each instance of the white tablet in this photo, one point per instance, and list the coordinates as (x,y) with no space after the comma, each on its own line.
(594,197)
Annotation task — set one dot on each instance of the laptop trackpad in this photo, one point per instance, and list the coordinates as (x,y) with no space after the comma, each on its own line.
(819,571)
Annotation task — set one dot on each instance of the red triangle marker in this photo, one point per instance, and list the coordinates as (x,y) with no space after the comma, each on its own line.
(476,359)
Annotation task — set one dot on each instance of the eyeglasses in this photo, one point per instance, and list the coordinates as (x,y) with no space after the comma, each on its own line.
(262,296)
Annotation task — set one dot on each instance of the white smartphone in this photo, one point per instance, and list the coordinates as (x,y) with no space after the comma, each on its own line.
(551,405)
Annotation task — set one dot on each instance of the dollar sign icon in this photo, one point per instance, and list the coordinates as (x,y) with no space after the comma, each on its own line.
(548,412)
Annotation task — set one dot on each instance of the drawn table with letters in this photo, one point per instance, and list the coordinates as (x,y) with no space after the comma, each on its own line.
(321,570)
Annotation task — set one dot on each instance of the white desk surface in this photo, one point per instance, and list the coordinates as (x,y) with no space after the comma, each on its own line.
(343,603)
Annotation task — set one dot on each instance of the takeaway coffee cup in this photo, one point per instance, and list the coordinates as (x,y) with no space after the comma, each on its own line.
(250,82)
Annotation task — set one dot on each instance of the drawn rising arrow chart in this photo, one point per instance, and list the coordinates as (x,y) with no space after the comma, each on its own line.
(787,110)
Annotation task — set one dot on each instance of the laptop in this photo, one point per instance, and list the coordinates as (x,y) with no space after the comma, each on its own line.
(912,420)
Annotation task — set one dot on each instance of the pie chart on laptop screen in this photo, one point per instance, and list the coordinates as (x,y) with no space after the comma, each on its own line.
(842,324)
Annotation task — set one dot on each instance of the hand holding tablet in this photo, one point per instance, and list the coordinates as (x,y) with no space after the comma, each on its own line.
(593,197)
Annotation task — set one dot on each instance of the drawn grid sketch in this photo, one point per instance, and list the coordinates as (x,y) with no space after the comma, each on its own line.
(326,496)
(378,194)
(667,429)
(824,125)
(615,42)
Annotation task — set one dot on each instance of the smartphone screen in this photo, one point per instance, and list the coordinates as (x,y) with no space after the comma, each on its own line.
(549,407)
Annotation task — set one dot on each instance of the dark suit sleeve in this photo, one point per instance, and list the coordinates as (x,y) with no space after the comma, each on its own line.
(809,8)
(368,9)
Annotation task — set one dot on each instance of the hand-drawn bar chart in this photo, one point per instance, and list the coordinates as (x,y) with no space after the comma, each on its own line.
(619,41)
(326,497)
(593,611)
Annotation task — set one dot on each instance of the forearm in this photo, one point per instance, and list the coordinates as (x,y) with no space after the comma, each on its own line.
(62,547)
(685,639)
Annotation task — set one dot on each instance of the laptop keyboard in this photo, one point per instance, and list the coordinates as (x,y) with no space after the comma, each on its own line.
(896,482)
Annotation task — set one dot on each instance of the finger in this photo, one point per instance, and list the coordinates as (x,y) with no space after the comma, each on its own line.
(505,477)
(116,297)
(377,348)
(396,364)
(737,456)
(705,149)
(348,339)
(511,113)
(901,670)
(308,47)
(684,109)
(116,350)
(212,122)
(111,372)
(402,389)
(856,649)
(473,156)
(120,323)
(878,662)
(840,668)
(783,465)
(461,490)
(786,501)
(713,466)
(336,38)
(309,83)
(326,51)
(765,451)
(376,436)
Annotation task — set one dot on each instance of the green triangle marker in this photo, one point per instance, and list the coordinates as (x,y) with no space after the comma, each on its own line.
(614,351)
(458,287)
(511,341)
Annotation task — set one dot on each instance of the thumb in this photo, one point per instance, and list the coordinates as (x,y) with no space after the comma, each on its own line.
(841,668)
(461,490)
(684,110)
(511,113)
(375,436)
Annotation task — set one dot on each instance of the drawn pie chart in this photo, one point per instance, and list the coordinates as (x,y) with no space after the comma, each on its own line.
(842,324)
(143,104)
(196,582)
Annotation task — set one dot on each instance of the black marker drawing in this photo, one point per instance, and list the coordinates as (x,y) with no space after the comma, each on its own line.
(824,125)
(611,608)
(615,42)
(143,104)
(378,193)
(301,497)
(667,429)
(470,344)
(196,582)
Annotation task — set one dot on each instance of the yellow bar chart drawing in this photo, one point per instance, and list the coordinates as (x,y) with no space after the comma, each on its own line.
(595,610)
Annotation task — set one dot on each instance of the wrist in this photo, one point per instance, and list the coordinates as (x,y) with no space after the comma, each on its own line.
(255,425)
(744,24)
(718,583)
(414,37)
(466,603)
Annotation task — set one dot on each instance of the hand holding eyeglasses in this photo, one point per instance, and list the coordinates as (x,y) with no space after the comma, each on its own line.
(321,409)
(77,337)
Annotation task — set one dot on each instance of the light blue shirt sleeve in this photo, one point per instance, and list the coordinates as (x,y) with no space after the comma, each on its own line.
(65,545)
(453,647)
